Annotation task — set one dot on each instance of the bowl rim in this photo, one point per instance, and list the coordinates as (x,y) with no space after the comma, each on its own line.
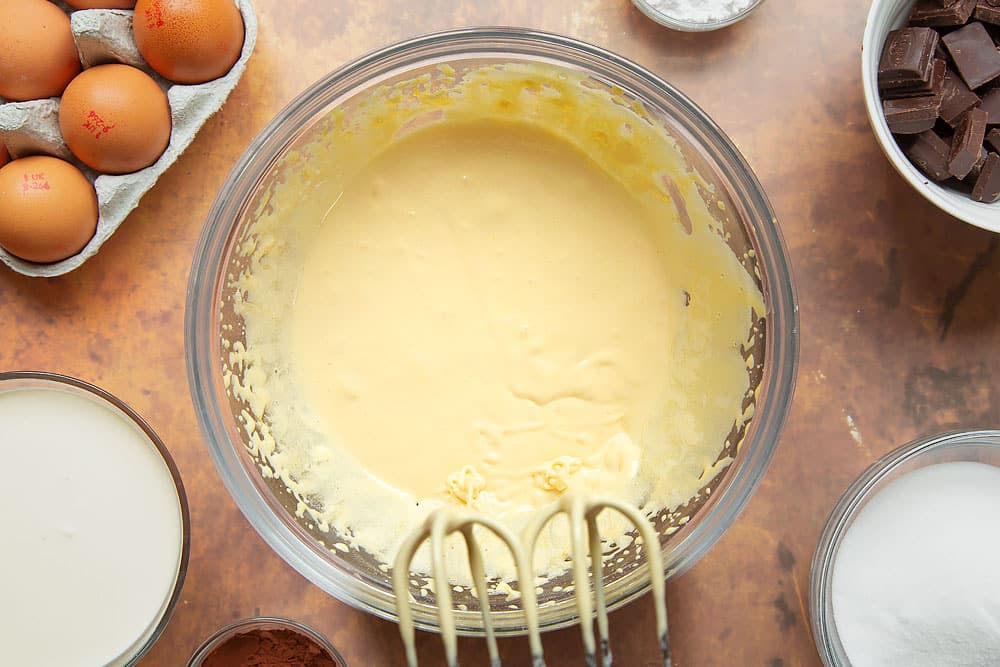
(230,630)
(666,20)
(883,14)
(777,385)
(847,508)
(70,384)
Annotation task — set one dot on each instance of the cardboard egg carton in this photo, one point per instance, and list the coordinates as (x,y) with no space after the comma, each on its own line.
(31,128)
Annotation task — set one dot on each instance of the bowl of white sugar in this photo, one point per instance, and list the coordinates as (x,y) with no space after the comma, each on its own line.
(697,15)
(905,572)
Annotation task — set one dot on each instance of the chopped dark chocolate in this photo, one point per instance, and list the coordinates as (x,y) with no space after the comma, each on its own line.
(993,138)
(967,143)
(939,68)
(977,168)
(929,153)
(991,105)
(911,115)
(936,13)
(941,97)
(907,58)
(974,54)
(956,98)
(987,187)
(988,11)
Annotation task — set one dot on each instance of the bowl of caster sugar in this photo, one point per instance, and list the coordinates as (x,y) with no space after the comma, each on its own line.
(697,15)
(905,569)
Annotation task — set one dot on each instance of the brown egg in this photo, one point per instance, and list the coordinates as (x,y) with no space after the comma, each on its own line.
(4,155)
(38,56)
(101,4)
(115,119)
(189,41)
(48,209)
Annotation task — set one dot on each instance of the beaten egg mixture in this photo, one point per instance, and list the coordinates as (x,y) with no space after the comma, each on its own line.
(483,290)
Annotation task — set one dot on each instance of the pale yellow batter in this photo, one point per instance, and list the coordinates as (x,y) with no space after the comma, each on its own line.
(486,315)
(497,308)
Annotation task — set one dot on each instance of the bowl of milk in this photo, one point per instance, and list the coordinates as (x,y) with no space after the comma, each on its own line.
(96,526)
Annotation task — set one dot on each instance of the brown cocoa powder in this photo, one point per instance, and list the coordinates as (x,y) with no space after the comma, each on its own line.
(270,648)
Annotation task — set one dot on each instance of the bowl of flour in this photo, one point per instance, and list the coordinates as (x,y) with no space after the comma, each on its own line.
(905,570)
(697,15)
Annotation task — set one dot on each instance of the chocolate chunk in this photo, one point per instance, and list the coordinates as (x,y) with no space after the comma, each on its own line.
(936,13)
(991,105)
(939,68)
(911,115)
(907,58)
(967,143)
(988,11)
(956,98)
(977,168)
(987,187)
(930,153)
(974,53)
(994,138)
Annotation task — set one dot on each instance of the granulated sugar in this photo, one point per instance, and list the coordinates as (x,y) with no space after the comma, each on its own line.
(700,11)
(916,581)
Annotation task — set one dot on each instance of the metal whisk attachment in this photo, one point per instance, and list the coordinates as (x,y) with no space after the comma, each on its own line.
(582,511)
(439,524)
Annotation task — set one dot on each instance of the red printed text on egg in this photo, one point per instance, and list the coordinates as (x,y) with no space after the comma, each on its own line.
(96,125)
(35,181)
(154,16)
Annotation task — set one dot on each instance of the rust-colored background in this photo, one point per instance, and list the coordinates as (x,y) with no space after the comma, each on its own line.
(900,330)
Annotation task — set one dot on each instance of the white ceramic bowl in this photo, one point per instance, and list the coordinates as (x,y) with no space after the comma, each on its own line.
(665,18)
(884,16)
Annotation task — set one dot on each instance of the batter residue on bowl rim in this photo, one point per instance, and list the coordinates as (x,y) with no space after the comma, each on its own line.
(485,290)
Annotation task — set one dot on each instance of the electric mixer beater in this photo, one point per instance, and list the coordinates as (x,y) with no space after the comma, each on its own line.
(582,511)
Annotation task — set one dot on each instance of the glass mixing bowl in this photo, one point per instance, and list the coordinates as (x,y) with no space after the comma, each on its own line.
(212,328)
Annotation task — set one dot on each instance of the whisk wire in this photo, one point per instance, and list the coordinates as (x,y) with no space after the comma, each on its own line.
(482,590)
(597,568)
(654,563)
(442,589)
(400,582)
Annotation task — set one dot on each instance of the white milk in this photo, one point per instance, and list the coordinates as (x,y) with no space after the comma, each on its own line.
(91,531)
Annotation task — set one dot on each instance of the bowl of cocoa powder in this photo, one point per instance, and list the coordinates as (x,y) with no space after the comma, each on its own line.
(266,641)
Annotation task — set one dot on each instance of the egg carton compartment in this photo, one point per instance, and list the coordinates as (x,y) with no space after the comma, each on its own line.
(32,128)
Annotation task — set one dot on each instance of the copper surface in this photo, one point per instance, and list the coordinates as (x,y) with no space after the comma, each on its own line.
(899,306)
